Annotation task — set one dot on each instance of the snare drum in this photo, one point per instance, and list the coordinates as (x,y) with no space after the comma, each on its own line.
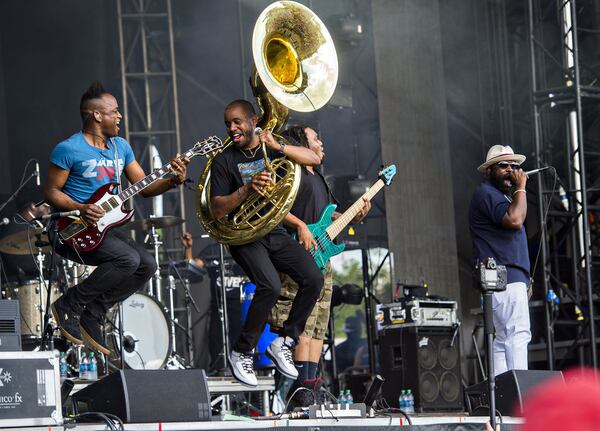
(146,340)
(30,296)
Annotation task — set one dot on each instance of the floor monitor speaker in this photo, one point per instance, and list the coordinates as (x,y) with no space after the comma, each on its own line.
(148,396)
(511,391)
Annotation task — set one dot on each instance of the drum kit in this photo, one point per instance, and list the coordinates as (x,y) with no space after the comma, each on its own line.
(148,318)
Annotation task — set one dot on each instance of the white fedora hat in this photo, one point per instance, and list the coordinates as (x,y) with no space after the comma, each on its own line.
(500,153)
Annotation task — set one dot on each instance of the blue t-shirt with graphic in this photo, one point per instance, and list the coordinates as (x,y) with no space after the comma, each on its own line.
(89,167)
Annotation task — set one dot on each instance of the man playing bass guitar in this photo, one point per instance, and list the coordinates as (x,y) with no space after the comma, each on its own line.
(78,167)
(314,195)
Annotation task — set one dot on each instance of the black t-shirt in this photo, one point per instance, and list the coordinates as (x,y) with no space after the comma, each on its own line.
(233,168)
(313,196)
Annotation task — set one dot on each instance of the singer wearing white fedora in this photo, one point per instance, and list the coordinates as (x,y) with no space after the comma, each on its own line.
(496,221)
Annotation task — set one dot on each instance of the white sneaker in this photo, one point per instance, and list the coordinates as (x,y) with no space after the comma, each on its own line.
(281,353)
(242,368)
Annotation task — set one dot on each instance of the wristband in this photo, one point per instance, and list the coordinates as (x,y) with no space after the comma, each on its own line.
(519,190)
(281,147)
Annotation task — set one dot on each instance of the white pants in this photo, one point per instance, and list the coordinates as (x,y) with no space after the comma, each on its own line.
(511,320)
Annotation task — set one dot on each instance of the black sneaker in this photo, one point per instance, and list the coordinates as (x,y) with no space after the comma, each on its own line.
(91,329)
(67,320)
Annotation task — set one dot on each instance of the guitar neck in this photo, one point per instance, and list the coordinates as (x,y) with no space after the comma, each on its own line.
(344,220)
(200,149)
(156,175)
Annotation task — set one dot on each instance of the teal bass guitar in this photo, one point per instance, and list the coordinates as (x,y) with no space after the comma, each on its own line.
(326,230)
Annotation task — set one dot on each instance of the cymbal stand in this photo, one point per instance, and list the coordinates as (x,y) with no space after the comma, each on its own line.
(155,281)
(171,288)
(48,329)
(189,300)
(39,257)
(224,320)
(223,308)
(188,313)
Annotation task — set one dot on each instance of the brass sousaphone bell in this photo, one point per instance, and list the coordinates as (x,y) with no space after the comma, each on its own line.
(295,67)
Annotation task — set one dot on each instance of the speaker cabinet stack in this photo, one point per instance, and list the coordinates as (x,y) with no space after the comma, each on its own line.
(425,360)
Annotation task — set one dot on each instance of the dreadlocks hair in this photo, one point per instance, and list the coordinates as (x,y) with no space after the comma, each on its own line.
(298,134)
(246,106)
(94,92)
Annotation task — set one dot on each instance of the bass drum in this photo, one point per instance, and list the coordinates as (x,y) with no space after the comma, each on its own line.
(146,340)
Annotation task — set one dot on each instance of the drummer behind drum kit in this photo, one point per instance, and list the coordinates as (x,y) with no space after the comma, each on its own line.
(148,325)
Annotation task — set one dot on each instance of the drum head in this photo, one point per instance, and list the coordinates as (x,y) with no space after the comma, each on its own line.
(146,341)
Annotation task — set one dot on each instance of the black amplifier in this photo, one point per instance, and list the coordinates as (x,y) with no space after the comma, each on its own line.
(418,312)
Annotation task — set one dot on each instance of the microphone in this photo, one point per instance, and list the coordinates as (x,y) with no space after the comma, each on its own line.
(4,221)
(535,171)
(55,216)
(257,130)
(37,174)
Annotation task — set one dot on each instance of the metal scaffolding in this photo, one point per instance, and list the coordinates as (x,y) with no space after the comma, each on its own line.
(562,99)
(149,84)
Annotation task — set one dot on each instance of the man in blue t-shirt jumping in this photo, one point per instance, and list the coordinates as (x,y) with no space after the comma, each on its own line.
(496,217)
(78,167)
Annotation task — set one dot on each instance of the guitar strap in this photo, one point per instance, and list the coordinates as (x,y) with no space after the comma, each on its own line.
(332,197)
(117,170)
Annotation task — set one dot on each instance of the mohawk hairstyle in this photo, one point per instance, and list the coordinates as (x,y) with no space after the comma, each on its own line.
(94,92)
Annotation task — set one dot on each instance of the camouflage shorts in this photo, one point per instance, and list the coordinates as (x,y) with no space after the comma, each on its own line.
(316,325)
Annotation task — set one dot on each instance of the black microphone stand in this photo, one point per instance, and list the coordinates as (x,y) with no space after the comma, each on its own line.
(14,195)
(492,279)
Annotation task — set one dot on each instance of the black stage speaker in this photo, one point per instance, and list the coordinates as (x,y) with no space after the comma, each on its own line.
(511,389)
(425,360)
(10,325)
(148,396)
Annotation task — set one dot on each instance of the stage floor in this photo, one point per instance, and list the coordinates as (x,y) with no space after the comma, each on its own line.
(420,422)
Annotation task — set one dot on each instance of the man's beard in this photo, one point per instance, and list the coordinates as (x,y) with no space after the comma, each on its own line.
(498,182)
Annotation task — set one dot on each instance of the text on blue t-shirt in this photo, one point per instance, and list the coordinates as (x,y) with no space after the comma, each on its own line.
(89,167)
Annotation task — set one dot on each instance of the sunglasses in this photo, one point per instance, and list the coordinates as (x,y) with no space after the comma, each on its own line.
(505,165)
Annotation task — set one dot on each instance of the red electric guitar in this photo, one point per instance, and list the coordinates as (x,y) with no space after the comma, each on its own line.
(83,237)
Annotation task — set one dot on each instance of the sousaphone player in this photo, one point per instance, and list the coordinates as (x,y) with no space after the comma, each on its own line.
(247,189)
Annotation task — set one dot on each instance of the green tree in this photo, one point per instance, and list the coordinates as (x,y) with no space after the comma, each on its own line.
(351,272)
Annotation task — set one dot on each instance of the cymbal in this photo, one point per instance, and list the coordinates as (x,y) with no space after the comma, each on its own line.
(19,243)
(157,222)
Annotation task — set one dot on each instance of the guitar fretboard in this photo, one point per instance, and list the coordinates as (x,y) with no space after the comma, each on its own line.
(344,220)
(208,145)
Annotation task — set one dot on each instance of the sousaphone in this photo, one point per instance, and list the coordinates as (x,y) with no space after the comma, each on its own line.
(295,68)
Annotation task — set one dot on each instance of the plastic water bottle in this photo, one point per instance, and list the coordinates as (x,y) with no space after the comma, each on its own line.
(83,367)
(402,400)
(92,368)
(349,399)
(63,367)
(564,199)
(410,402)
(341,398)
